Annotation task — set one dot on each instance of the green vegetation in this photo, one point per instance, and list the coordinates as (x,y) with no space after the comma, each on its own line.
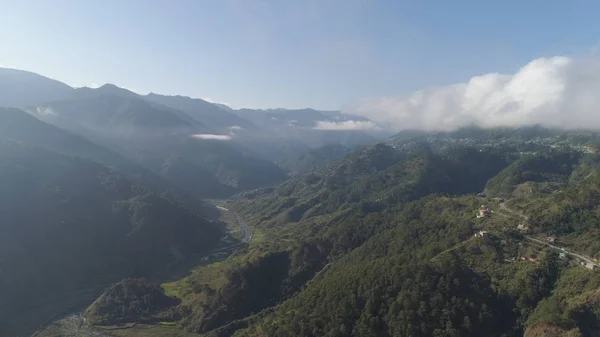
(385,242)
(171,289)
(315,157)
(555,166)
(70,227)
(131,300)
(402,259)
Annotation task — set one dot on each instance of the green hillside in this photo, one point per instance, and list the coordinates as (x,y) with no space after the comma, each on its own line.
(386,242)
(70,227)
(20,127)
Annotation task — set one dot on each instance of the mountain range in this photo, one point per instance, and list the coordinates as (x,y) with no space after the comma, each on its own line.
(100,184)
(207,149)
(322,228)
(389,240)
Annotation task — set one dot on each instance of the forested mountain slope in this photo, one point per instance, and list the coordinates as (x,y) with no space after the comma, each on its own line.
(420,271)
(555,166)
(310,159)
(263,141)
(302,241)
(381,243)
(16,125)
(376,177)
(69,224)
(162,139)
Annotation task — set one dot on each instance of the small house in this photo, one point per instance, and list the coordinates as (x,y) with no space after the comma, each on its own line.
(551,239)
(481,234)
(562,255)
(483,213)
(523,228)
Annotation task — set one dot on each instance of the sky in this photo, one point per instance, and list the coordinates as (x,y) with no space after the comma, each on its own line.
(367,57)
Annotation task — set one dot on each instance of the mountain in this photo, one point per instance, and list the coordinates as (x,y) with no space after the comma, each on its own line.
(19,89)
(303,126)
(130,299)
(21,127)
(556,166)
(314,219)
(314,157)
(374,177)
(162,139)
(71,226)
(216,117)
(413,266)
(389,241)
(275,135)
(224,121)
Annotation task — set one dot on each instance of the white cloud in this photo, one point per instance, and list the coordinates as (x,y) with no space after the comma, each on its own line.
(94,85)
(210,100)
(555,92)
(211,136)
(235,127)
(45,111)
(135,90)
(344,126)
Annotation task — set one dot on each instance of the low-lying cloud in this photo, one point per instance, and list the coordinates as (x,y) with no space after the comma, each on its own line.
(555,92)
(212,137)
(45,111)
(345,126)
(210,100)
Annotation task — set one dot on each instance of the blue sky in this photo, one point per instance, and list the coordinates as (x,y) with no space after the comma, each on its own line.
(288,53)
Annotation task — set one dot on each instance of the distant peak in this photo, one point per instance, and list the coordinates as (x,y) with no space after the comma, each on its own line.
(115,90)
(110,86)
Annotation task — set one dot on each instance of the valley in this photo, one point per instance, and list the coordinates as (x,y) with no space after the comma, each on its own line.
(419,213)
(74,324)
(152,215)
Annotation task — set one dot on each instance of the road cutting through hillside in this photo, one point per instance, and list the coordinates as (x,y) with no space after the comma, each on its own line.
(586,259)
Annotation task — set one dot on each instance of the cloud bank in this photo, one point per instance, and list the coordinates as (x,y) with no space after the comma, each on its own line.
(555,92)
(345,126)
(211,136)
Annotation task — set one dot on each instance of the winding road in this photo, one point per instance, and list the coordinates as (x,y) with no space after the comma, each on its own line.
(581,257)
(584,258)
